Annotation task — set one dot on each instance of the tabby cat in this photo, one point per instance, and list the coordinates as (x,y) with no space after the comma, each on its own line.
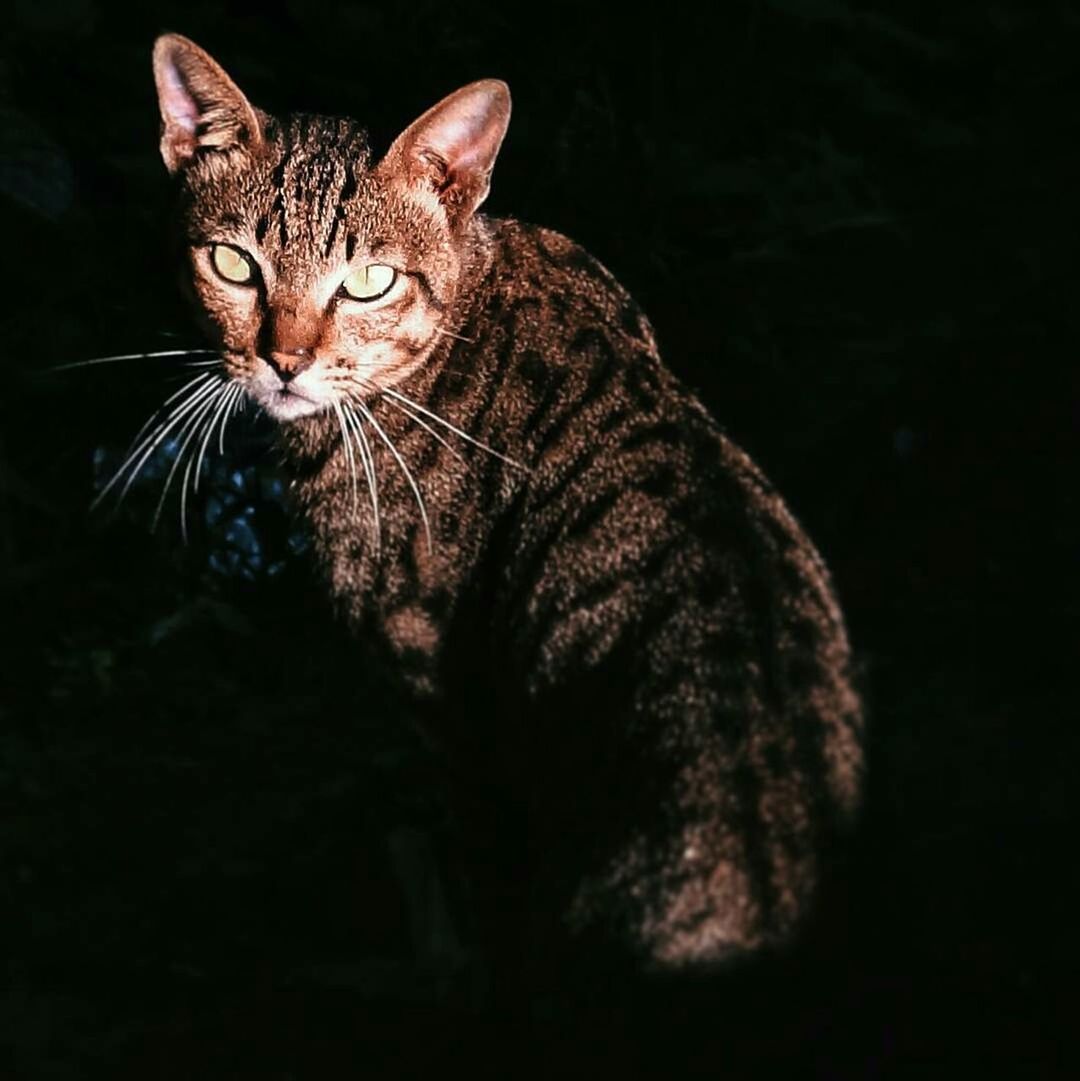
(627,649)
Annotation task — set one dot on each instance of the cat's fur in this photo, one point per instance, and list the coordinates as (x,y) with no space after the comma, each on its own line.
(627,647)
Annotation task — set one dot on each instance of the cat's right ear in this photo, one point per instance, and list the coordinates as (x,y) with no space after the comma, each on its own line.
(201,107)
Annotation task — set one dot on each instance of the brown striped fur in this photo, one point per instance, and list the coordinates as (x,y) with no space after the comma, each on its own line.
(627,646)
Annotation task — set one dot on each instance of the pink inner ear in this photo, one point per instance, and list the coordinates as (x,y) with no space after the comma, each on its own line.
(463,139)
(467,136)
(456,141)
(177,102)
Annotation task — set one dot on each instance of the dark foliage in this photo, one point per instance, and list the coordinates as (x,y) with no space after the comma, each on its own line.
(853,227)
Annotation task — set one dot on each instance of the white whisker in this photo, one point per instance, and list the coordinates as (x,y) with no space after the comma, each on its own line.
(186,434)
(148,445)
(134,356)
(223,404)
(201,378)
(228,400)
(457,431)
(183,499)
(427,428)
(346,442)
(236,407)
(368,460)
(451,334)
(406,471)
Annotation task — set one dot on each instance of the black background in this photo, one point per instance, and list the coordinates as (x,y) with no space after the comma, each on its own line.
(853,226)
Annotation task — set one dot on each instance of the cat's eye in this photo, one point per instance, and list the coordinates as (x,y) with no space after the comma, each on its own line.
(369,282)
(232,265)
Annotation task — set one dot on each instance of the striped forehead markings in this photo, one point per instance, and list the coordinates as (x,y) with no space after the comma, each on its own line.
(313,179)
(347,191)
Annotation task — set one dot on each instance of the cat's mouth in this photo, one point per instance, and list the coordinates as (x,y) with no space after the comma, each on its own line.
(287,391)
(285,401)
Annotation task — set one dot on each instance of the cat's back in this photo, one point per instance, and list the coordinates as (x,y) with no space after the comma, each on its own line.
(610,435)
(573,356)
(674,630)
(628,470)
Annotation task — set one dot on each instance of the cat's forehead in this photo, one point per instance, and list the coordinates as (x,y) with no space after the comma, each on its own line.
(309,195)
(313,153)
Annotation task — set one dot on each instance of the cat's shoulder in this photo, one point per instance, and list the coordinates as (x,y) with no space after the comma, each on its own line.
(542,269)
(553,257)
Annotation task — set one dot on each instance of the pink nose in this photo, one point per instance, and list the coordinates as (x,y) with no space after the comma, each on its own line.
(290,363)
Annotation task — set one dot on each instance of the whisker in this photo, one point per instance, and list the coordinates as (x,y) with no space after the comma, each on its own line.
(368,460)
(236,407)
(186,433)
(225,410)
(348,448)
(428,428)
(406,471)
(201,378)
(183,499)
(451,334)
(457,431)
(134,356)
(226,398)
(147,446)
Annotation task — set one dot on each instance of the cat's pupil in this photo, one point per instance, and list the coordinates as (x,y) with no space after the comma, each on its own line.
(369,282)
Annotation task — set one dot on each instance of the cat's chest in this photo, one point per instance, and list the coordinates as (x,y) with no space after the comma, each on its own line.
(404,567)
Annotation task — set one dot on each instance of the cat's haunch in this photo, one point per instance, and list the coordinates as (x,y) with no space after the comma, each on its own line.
(629,651)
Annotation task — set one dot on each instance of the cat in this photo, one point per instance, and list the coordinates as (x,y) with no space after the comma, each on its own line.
(627,649)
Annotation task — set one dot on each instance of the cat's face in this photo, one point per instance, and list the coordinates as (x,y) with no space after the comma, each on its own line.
(321,274)
(318,276)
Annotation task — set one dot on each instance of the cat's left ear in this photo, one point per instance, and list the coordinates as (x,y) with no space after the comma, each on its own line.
(201,107)
(451,149)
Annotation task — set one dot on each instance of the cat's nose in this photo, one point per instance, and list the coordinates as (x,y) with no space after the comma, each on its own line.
(289,363)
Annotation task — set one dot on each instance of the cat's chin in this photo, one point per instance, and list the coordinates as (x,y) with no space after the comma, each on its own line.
(287,405)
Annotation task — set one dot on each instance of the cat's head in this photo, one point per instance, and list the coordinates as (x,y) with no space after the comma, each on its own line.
(322,273)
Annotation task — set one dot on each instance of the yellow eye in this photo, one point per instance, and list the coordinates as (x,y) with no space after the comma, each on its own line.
(231,264)
(370,282)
